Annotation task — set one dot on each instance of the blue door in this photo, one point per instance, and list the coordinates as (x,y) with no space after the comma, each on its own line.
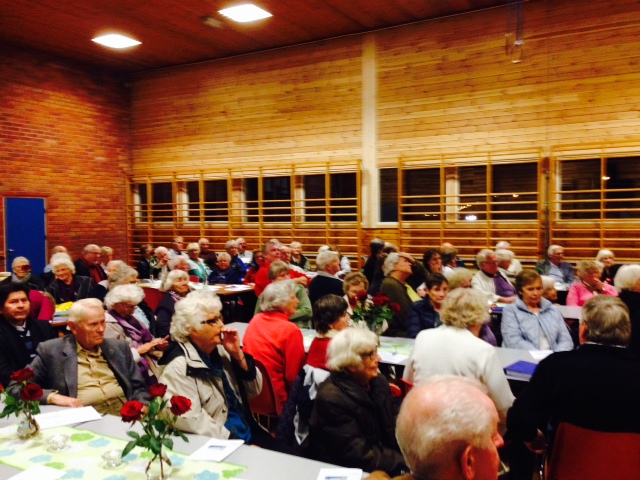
(24,222)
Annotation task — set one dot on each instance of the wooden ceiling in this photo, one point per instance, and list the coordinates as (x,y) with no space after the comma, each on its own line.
(172,31)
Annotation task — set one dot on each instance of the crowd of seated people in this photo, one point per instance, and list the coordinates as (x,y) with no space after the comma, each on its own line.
(349,414)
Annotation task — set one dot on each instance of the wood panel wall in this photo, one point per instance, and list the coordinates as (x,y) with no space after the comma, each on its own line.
(443,87)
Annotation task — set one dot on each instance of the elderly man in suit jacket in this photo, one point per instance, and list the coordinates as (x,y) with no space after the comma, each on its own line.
(85,368)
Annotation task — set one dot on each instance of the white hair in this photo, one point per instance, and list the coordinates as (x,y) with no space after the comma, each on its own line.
(483,254)
(19,260)
(172,277)
(345,348)
(80,309)
(627,277)
(277,295)
(464,307)
(503,255)
(604,253)
(160,250)
(192,311)
(324,258)
(553,248)
(60,259)
(127,293)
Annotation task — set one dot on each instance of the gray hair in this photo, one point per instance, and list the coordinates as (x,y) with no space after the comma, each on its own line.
(192,311)
(503,245)
(121,276)
(268,245)
(438,416)
(223,255)
(553,248)
(604,253)
(175,261)
(458,277)
(127,293)
(91,246)
(277,295)
(277,268)
(345,348)
(160,250)
(324,258)
(172,276)
(607,321)
(295,245)
(231,244)
(503,255)
(627,277)
(586,266)
(547,282)
(60,259)
(392,259)
(192,247)
(483,254)
(20,260)
(80,309)
(464,308)
(106,250)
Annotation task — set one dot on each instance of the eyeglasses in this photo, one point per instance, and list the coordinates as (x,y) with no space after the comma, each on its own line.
(369,355)
(212,321)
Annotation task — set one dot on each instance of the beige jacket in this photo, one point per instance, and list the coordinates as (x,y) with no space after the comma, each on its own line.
(187,375)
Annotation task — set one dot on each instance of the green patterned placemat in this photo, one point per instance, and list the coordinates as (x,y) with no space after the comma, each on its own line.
(82,459)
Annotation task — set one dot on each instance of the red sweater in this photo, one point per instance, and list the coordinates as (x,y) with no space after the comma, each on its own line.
(262,278)
(317,355)
(276,342)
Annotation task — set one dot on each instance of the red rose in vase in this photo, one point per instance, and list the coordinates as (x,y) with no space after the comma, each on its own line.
(131,411)
(180,405)
(23,375)
(157,390)
(31,392)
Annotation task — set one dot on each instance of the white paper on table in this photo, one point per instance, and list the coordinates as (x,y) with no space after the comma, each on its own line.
(67,416)
(540,354)
(340,474)
(216,450)
(40,472)
(389,357)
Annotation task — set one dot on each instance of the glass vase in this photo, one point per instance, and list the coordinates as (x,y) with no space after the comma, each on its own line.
(27,427)
(159,468)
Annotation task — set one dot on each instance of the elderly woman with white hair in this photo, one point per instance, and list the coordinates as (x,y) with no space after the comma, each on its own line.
(274,340)
(352,423)
(627,282)
(589,273)
(100,290)
(176,286)
(398,267)
(122,324)
(207,365)
(67,286)
(454,348)
(223,273)
(197,267)
(325,282)
(609,266)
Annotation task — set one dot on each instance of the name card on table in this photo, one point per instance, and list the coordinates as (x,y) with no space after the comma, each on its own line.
(67,416)
(216,450)
(340,474)
(40,472)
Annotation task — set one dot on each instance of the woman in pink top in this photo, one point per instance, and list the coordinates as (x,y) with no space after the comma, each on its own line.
(589,273)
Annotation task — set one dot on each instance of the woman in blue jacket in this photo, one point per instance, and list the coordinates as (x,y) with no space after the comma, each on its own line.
(532,322)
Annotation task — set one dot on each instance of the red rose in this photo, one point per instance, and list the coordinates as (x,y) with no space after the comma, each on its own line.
(31,392)
(180,405)
(379,300)
(395,306)
(131,411)
(362,297)
(23,375)
(157,390)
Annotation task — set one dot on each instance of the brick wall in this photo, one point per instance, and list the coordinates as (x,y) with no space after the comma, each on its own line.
(64,136)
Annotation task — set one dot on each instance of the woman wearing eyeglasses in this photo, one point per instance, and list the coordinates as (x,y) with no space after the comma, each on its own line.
(207,365)
(353,419)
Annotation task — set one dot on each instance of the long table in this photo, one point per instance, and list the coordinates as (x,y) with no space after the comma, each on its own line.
(392,349)
(261,464)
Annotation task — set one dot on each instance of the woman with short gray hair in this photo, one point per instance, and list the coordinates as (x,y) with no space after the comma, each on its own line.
(122,302)
(275,341)
(627,282)
(455,348)
(397,268)
(177,287)
(67,286)
(352,423)
(207,365)
(589,273)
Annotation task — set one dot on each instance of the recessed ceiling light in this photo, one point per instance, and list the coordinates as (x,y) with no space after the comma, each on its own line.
(116,41)
(245,13)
